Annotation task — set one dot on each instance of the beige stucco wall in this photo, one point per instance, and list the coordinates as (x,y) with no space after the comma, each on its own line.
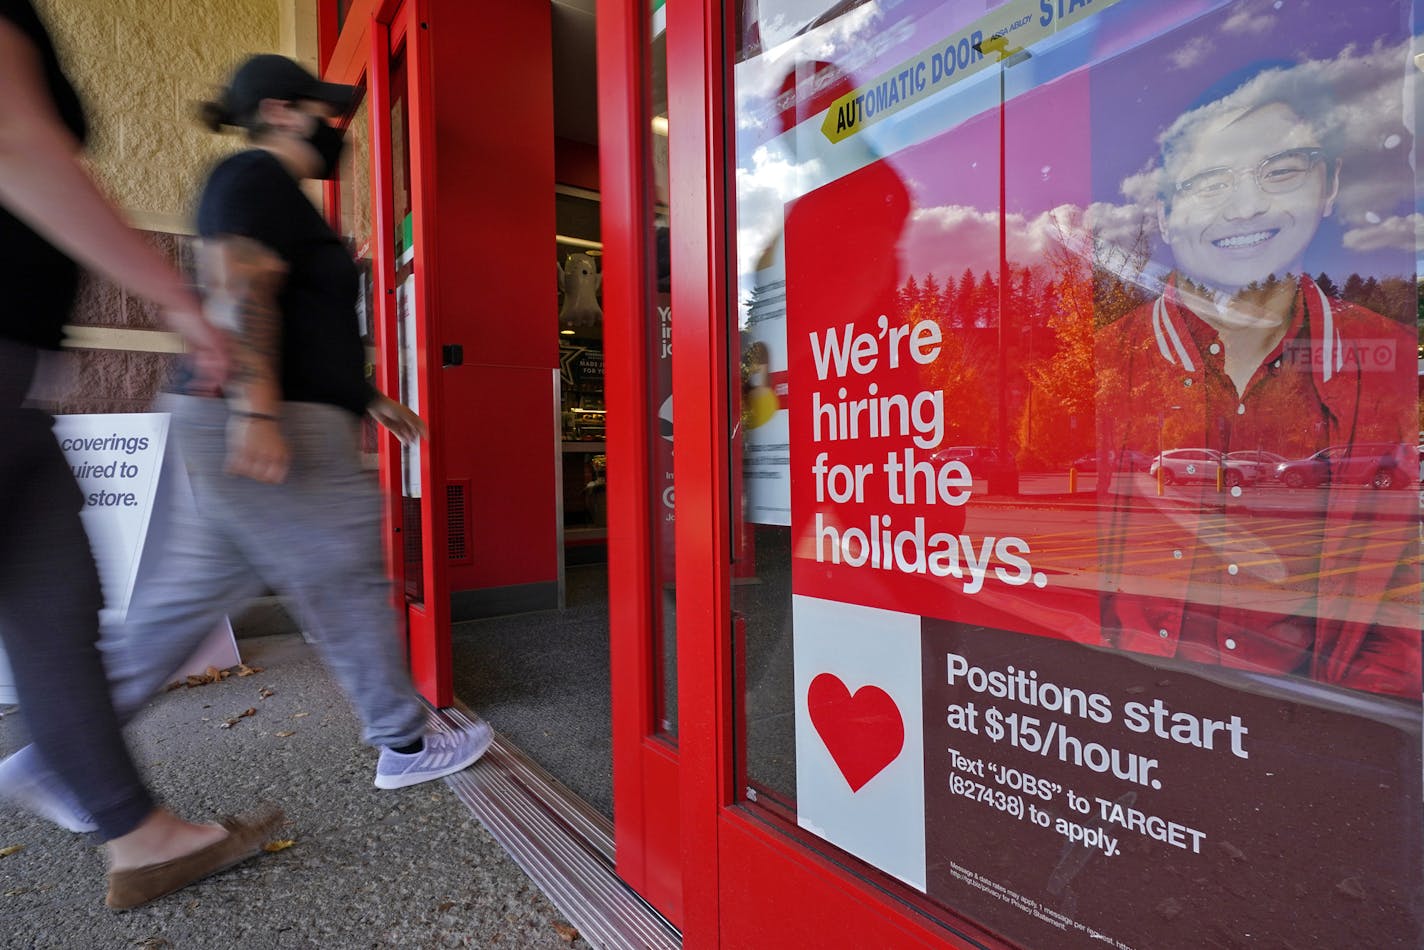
(142,65)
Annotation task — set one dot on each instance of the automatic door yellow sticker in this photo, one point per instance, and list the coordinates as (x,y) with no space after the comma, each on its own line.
(990,39)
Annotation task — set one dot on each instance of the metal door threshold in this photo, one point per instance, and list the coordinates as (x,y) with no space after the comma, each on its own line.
(564,846)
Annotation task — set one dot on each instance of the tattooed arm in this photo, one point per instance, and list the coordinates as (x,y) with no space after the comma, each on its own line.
(243,278)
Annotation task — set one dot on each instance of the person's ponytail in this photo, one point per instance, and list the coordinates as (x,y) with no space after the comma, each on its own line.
(214,115)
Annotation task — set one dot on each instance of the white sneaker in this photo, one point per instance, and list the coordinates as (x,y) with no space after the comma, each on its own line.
(25,781)
(445,753)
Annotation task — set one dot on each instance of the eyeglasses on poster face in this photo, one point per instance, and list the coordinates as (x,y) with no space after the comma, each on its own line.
(1275,174)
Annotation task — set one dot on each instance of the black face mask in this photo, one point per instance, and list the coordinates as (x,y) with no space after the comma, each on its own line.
(329,144)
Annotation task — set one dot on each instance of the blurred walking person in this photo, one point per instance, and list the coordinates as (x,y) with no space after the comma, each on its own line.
(282,500)
(52,219)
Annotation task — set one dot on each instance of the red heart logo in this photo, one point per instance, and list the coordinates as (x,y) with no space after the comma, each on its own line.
(864,733)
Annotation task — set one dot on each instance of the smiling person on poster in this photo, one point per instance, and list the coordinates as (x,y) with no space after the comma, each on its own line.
(282,500)
(53,219)
(1244,351)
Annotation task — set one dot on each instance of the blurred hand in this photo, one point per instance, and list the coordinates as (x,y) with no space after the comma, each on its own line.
(209,349)
(256,449)
(404,424)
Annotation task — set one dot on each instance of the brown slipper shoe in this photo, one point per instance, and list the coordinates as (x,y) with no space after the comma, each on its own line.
(245,837)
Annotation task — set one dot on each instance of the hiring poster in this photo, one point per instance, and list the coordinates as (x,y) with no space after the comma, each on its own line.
(1166,690)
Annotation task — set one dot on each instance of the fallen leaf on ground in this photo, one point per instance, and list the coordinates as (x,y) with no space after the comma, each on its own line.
(244,670)
(11,849)
(176,684)
(229,723)
(283,735)
(272,847)
(265,692)
(211,675)
(443,906)
(300,715)
(566,933)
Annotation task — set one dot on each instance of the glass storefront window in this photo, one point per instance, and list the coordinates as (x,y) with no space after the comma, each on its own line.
(583,430)
(1078,461)
(407,339)
(354,180)
(354,205)
(659,353)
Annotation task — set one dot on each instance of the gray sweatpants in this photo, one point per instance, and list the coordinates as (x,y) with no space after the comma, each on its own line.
(315,539)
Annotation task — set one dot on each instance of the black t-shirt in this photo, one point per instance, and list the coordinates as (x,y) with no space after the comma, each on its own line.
(40,281)
(252,195)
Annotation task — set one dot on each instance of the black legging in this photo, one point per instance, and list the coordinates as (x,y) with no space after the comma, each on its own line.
(49,613)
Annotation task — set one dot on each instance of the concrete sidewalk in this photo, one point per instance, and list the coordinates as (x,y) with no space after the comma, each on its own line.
(369,868)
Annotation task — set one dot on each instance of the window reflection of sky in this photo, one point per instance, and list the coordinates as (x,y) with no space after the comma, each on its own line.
(1081,157)
(775,168)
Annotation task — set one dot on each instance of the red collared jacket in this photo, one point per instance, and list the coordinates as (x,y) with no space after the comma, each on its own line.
(1324,583)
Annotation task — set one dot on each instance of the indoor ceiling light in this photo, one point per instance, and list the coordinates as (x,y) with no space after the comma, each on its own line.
(660,125)
(566,333)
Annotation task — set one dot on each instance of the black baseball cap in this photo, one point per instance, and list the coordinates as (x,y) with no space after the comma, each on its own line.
(270,76)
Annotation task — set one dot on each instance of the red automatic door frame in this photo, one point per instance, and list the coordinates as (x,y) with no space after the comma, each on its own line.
(645,765)
(364,46)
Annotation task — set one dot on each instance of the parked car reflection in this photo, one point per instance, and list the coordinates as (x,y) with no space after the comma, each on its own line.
(1185,466)
(1256,465)
(1378,464)
(984,461)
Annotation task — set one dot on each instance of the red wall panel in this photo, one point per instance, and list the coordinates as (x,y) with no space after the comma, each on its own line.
(489,257)
(510,466)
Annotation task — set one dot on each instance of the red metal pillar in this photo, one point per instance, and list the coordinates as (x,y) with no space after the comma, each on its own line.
(701,215)
(645,767)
